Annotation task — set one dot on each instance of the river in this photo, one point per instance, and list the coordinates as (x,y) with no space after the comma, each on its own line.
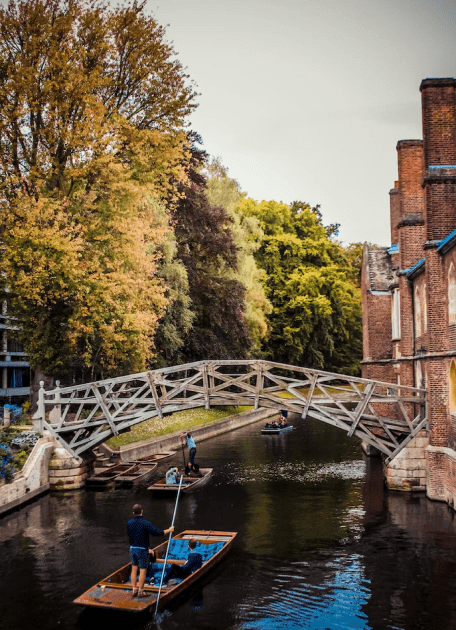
(320,545)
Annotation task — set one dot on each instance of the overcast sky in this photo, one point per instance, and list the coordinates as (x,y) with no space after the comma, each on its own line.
(306,99)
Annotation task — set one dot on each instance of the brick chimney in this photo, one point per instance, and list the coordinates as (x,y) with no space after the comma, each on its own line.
(439,133)
(411,230)
(394,213)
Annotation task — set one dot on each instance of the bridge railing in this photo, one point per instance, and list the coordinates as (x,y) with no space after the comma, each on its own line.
(385,415)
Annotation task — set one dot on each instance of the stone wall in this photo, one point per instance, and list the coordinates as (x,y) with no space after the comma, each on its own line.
(65,472)
(407,471)
(173,441)
(32,480)
(441,465)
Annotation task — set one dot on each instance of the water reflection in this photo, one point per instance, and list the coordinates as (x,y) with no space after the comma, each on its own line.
(319,546)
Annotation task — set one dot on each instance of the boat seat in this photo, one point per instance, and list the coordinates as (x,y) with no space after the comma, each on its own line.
(178,549)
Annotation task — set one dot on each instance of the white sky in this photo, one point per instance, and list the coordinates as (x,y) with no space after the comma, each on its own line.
(306,99)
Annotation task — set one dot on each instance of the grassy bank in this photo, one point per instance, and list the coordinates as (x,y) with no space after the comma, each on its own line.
(179,421)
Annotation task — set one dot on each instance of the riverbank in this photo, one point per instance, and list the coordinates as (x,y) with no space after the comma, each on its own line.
(173,441)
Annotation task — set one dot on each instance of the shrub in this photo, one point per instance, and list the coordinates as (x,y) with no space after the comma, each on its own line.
(6,466)
(20,458)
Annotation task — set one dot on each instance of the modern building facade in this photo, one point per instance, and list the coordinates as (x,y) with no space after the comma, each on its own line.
(409,288)
(15,369)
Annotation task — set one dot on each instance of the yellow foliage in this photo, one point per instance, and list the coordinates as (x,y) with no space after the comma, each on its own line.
(92,129)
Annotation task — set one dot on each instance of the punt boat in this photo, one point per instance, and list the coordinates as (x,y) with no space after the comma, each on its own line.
(109,475)
(152,459)
(188,483)
(271,430)
(135,474)
(115,591)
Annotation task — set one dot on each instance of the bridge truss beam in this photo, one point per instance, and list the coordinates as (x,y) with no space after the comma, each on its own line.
(385,415)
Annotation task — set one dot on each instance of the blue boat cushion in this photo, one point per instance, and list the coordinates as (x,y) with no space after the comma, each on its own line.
(154,573)
(178,549)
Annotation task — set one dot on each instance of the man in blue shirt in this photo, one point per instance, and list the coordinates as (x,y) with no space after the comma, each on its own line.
(194,562)
(138,529)
(191,447)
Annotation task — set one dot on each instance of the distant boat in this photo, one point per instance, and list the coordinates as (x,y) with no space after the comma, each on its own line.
(136,474)
(188,483)
(115,591)
(271,430)
(109,475)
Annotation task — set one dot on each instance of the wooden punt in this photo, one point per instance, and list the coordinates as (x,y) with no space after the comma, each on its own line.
(188,483)
(115,592)
(109,475)
(276,430)
(136,474)
(151,459)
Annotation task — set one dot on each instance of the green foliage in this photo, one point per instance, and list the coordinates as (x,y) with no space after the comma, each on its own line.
(176,324)
(179,421)
(225,192)
(207,249)
(316,317)
(7,435)
(6,465)
(20,458)
(91,129)
(26,407)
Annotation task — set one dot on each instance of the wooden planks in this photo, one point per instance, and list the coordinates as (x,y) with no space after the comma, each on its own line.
(87,415)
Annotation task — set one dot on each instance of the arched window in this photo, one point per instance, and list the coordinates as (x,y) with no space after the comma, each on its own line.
(452,380)
(451,295)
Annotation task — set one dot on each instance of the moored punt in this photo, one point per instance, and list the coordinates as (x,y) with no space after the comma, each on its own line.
(271,430)
(151,459)
(188,483)
(136,474)
(115,591)
(109,475)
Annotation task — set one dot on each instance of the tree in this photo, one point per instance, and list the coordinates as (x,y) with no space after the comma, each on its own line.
(93,107)
(206,247)
(316,317)
(176,324)
(247,233)
(76,79)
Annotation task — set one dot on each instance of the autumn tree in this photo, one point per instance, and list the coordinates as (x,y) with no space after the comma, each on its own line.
(93,105)
(316,317)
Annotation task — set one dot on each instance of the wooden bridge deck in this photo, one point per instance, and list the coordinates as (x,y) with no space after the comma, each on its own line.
(385,415)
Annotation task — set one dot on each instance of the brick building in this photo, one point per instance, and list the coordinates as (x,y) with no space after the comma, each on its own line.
(409,288)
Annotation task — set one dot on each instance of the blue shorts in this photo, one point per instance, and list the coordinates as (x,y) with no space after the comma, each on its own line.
(139,557)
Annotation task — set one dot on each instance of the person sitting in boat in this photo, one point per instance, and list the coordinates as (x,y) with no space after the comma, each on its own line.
(171,475)
(194,562)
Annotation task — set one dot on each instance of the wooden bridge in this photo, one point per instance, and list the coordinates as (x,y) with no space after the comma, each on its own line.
(384,415)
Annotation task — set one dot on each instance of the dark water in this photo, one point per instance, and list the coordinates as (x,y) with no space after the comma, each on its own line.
(319,545)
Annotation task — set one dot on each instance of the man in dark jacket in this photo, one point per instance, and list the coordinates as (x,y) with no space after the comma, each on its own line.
(138,529)
(194,561)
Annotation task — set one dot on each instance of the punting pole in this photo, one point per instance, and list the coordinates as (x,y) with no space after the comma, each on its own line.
(167,548)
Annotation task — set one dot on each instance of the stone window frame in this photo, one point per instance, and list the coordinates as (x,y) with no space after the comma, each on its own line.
(396,315)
